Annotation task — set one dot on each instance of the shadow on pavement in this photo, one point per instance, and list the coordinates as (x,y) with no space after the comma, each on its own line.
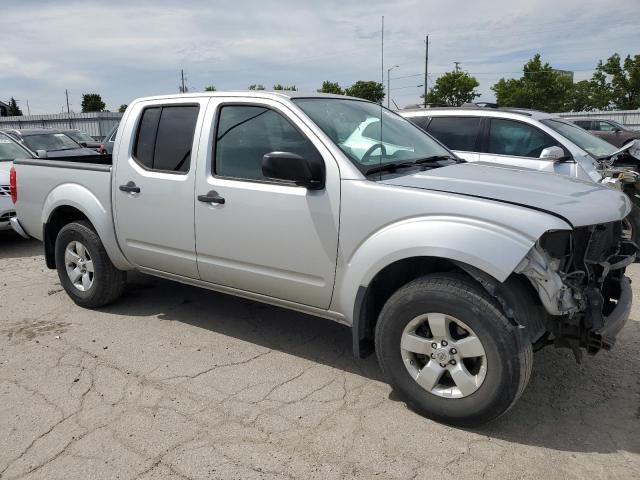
(593,407)
(13,245)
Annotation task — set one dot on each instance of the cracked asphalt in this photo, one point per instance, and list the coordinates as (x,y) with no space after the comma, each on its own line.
(178,382)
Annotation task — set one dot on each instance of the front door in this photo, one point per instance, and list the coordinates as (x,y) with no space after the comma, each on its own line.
(154,185)
(258,234)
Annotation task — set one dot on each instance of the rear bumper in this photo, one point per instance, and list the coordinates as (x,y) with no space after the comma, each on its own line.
(619,316)
(15,224)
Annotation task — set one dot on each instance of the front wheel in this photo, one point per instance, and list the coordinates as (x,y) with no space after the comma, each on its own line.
(445,344)
(84,268)
(632,225)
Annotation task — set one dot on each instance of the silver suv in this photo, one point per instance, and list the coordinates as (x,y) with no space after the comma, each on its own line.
(535,140)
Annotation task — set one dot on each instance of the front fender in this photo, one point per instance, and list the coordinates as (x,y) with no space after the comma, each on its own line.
(100,216)
(493,249)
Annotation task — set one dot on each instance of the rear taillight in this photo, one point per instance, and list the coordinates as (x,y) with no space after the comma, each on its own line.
(13,185)
(101,149)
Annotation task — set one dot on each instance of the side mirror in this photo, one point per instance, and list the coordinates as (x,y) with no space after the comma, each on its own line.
(617,130)
(552,153)
(293,168)
(83,144)
(42,154)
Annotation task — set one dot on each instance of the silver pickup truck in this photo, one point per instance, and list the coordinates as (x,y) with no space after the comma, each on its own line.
(452,272)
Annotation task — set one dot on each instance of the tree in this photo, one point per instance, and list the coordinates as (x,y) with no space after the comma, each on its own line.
(625,80)
(210,88)
(14,109)
(540,87)
(453,89)
(331,87)
(285,88)
(256,87)
(580,97)
(123,107)
(92,102)
(367,89)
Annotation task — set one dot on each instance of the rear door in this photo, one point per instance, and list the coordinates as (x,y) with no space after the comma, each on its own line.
(460,134)
(154,185)
(262,235)
(512,142)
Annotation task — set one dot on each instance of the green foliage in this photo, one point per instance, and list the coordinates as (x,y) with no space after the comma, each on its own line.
(624,85)
(256,87)
(540,87)
(123,107)
(14,109)
(453,89)
(92,102)
(210,88)
(331,87)
(285,88)
(367,89)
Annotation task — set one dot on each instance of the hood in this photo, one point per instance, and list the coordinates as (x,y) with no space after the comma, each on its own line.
(632,148)
(4,172)
(76,152)
(576,201)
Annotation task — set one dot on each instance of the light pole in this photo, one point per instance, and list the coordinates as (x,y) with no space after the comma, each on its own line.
(389,84)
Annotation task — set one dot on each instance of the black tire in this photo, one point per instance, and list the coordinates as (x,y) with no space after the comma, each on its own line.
(509,355)
(108,282)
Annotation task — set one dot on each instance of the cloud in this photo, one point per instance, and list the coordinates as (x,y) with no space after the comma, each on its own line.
(124,49)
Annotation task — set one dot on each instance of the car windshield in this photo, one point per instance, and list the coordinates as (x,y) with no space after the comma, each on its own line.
(595,146)
(9,151)
(50,142)
(356,128)
(80,136)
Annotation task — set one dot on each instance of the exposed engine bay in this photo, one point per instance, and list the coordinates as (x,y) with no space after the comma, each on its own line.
(579,277)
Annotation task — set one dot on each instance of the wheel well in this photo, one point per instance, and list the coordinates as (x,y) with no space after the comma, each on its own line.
(516,297)
(371,299)
(60,217)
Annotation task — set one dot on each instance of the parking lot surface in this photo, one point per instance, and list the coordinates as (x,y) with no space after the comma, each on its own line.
(178,382)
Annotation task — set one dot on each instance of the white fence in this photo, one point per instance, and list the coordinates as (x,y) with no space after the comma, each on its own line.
(96,124)
(629,118)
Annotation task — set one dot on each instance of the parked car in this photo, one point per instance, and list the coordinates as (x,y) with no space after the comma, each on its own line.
(54,142)
(106,146)
(536,140)
(84,139)
(609,130)
(9,151)
(451,271)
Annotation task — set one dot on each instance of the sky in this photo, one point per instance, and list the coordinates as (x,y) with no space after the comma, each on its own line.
(128,49)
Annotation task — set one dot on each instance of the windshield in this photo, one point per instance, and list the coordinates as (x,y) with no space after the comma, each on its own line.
(80,136)
(354,126)
(9,151)
(595,146)
(50,142)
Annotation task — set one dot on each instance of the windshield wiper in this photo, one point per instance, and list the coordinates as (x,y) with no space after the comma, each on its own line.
(436,158)
(389,167)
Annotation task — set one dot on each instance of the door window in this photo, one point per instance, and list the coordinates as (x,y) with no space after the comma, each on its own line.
(457,133)
(586,124)
(246,133)
(165,136)
(603,126)
(517,139)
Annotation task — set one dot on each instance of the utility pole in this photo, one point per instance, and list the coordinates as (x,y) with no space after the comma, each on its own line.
(66,92)
(382,54)
(28,109)
(426,69)
(182,88)
(457,66)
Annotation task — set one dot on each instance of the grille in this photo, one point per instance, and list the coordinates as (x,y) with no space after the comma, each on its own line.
(5,190)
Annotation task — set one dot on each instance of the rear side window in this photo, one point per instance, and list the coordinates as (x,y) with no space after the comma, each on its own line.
(421,122)
(165,137)
(586,124)
(457,133)
(246,132)
(517,139)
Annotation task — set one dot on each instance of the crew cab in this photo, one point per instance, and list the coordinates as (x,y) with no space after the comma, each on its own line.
(453,272)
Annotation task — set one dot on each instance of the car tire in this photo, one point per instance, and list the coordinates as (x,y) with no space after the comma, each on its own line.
(468,311)
(84,268)
(632,222)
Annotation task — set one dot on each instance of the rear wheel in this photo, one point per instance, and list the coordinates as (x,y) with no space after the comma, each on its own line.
(84,268)
(445,344)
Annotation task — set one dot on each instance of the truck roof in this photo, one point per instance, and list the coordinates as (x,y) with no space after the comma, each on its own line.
(253,93)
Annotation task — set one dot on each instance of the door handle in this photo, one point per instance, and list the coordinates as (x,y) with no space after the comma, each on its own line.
(130,187)
(211,197)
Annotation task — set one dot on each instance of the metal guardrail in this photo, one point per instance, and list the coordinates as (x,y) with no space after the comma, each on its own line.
(628,118)
(96,124)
